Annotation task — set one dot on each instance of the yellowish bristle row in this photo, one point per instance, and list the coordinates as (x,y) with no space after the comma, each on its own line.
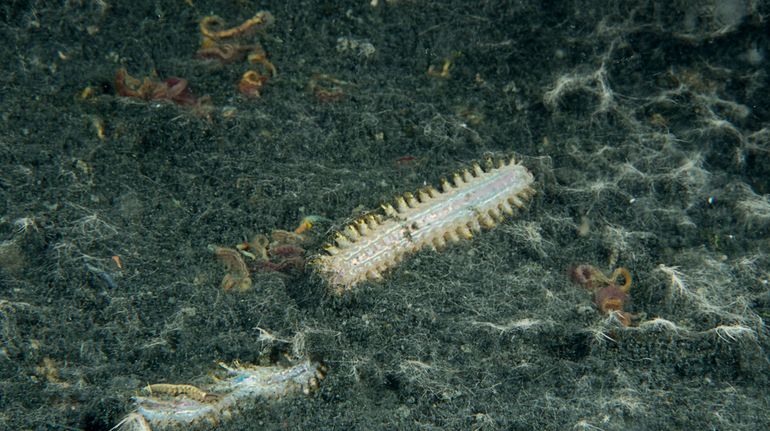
(401,204)
(477,169)
(373,275)
(495,214)
(341,240)
(352,233)
(389,210)
(491,164)
(518,203)
(410,200)
(505,207)
(360,227)
(486,221)
(451,236)
(528,192)
(465,232)
(474,225)
(445,186)
(438,243)
(372,221)
(457,180)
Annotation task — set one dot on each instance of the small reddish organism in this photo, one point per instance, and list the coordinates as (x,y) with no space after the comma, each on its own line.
(225,45)
(258,56)
(585,275)
(237,275)
(223,53)
(308,222)
(609,297)
(610,300)
(211,27)
(173,89)
(327,88)
(253,80)
(282,252)
(405,160)
(251,84)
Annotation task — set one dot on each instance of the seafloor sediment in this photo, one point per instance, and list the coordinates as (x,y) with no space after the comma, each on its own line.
(646,126)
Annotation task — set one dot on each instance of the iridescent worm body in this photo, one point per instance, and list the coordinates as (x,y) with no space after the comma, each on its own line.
(477,198)
(178,410)
(175,406)
(270,382)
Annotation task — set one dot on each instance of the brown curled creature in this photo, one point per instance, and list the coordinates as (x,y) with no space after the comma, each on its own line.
(260,21)
(224,53)
(258,56)
(225,46)
(612,299)
(176,90)
(609,297)
(251,84)
(237,275)
(282,252)
(327,88)
(253,80)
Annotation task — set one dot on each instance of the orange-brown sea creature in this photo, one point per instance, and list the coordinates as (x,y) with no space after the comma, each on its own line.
(609,296)
(224,52)
(211,27)
(283,252)
(173,89)
(237,275)
(327,88)
(250,85)
(226,46)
